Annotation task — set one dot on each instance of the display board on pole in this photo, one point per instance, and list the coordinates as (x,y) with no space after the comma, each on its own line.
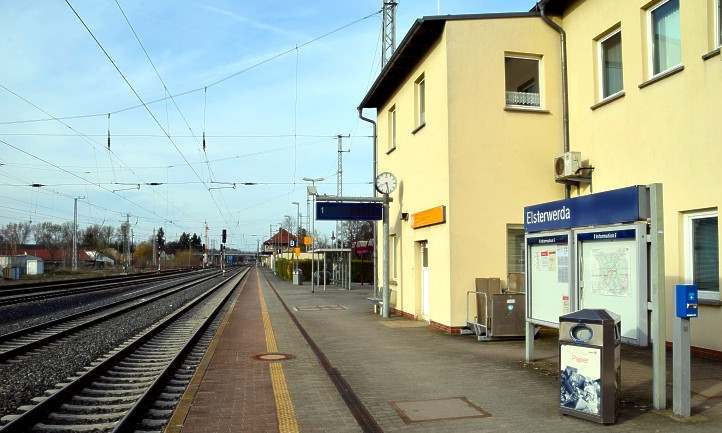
(610,247)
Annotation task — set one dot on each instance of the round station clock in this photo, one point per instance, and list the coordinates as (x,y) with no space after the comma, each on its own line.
(385,183)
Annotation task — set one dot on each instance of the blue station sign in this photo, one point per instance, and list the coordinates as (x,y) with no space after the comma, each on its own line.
(610,207)
(353,211)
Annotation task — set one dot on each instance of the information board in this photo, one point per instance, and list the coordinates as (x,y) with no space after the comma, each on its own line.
(349,211)
(548,278)
(610,277)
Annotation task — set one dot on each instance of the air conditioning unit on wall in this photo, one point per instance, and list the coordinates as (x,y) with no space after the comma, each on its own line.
(567,165)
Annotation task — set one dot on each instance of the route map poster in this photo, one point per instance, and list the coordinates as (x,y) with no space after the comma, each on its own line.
(608,269)
(609,279)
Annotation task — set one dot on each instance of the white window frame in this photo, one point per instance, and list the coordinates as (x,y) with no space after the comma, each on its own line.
(650,40)
(600,68)
(689,250)
(538,60)
(392,128)
(418,85)
(717,24)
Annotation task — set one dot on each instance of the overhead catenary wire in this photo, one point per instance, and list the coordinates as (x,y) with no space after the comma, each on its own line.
(175,104)
(143,103)
(211,84)
(77,133)
(77,176)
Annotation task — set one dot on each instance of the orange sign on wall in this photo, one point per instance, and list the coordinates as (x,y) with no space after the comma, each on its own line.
(429,217)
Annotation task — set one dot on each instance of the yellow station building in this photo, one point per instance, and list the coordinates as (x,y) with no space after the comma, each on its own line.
(470,118)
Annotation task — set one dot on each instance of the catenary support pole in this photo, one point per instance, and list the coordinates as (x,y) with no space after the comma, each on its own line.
(75,234)
(657,274)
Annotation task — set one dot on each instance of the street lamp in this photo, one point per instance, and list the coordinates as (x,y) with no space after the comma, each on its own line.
(311,191)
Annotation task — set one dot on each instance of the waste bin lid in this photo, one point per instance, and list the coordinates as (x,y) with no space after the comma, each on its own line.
(590,315)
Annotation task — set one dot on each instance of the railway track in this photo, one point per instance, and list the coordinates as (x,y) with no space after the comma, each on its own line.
(24,340)
(9,296)
(135,386)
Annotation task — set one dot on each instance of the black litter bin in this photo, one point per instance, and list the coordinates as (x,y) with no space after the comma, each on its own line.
(590,365)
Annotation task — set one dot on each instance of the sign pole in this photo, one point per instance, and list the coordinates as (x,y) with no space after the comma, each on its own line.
(681,375)
(385,295)
(659,366)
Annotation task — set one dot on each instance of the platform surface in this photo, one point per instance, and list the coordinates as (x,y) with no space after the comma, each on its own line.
(407,377)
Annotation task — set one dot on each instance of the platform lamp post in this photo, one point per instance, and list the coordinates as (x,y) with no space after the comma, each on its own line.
(313,192)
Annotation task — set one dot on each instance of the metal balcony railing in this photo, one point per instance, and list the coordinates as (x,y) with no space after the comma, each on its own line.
(522,98)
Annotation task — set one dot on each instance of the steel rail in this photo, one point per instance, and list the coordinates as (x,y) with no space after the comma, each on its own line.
(74,282)
(41,295)
(17,342)
(54,399)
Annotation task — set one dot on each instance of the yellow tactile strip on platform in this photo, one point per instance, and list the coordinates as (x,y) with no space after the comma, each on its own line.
(285,411)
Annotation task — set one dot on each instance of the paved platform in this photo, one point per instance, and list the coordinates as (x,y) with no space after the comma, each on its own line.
(398,373)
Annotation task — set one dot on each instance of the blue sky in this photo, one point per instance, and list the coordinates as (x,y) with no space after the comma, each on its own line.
(51,60)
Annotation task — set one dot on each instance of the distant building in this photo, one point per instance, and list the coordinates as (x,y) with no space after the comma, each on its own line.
(279,241)
(27,265)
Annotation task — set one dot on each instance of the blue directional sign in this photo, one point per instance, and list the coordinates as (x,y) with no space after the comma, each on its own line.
(335,211)
(610,207)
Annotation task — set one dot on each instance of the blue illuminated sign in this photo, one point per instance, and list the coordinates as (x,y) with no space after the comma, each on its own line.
(338,211)
(610,207)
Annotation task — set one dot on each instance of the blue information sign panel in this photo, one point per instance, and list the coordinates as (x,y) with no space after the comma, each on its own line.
(335,211)
(610,207)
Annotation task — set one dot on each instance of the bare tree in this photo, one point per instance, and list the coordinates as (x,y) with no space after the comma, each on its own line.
(16,234)
(354,231)
(48,235)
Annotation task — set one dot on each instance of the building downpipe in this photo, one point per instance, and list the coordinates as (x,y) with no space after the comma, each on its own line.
(565,85)
(373,183)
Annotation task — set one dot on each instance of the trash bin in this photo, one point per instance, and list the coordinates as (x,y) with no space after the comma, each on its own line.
(590,365)
(297,277)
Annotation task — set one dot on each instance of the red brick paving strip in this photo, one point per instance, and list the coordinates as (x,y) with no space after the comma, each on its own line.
(236,394)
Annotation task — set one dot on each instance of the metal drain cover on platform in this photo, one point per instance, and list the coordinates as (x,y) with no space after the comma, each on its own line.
(273,356)
(319,307)
(438,409)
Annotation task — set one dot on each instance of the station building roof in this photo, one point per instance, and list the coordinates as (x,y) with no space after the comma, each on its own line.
(416,44)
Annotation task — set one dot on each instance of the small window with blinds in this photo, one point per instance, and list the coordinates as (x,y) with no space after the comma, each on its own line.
(702,253)
(515,250)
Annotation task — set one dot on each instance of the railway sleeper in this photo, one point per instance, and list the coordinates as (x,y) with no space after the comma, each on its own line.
(85,428)
(106,408)
(72,418)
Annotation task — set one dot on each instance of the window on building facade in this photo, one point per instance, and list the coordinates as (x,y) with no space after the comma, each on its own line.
(665,37)
(522,81)
(702,253)
(392,128)
(420,95)
(610,62)
(515,250)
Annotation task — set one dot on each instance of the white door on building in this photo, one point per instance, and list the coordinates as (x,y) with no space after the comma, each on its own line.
(424,281)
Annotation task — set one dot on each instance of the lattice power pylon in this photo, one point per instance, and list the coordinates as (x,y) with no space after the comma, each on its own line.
(388,31)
